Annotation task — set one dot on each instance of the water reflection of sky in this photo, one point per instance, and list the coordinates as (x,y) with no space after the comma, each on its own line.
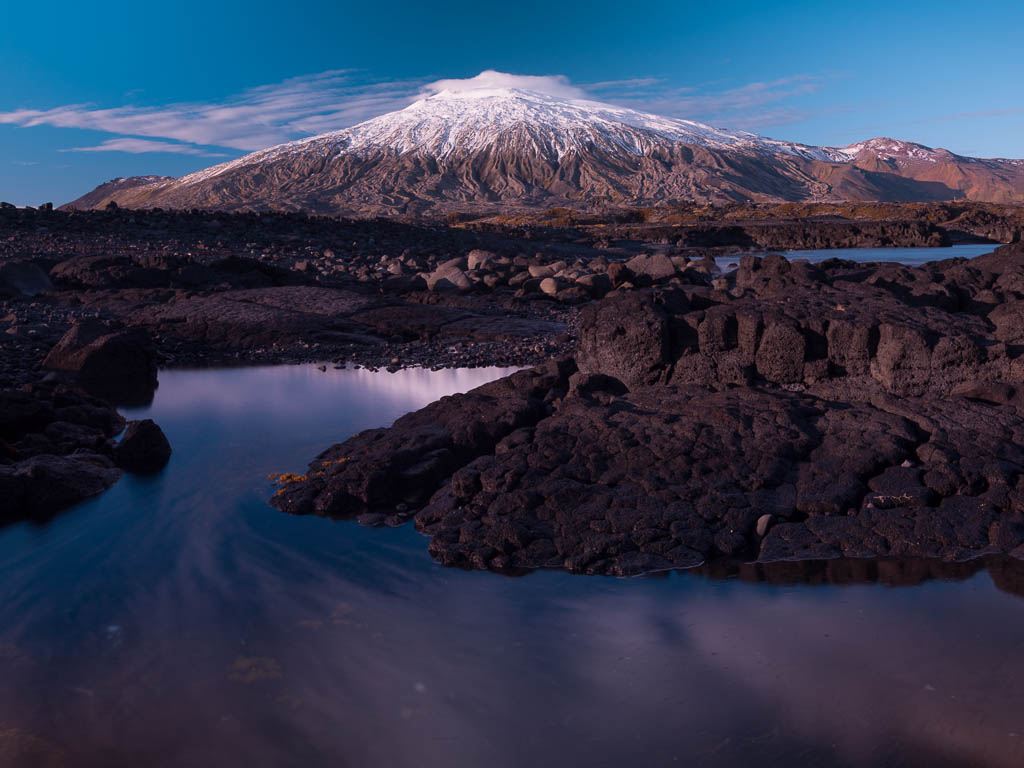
(178,620)
(913,257)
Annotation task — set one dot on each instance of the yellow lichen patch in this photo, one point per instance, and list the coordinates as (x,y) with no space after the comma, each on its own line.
(325,465)
(285,478)
(252,669)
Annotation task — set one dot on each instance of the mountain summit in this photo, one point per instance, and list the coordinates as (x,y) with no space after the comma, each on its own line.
(491,148)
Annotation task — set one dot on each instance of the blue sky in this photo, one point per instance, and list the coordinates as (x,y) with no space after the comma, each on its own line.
(93,91)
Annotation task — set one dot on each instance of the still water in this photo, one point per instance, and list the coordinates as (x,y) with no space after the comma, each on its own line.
(179,620)
(911,257)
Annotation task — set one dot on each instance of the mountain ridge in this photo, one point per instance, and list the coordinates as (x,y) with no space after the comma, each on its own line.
(508,147)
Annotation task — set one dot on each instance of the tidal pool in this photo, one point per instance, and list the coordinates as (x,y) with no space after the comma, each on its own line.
(178,620)
(911,257)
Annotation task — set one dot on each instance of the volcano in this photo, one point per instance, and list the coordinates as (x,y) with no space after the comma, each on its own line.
(499,149)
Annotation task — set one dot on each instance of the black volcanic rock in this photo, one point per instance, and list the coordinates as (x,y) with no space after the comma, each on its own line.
(143,448)
(23,278)
(802,413)
(115,365)
(211,288)
(659,478)
(628,337)
(169,271)
(56,448)
(45,484)
(380,469)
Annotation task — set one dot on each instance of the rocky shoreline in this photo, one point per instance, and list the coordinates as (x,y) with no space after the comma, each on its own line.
(671,415)
(796,412)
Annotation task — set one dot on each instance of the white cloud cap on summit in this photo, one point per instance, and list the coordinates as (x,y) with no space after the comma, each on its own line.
(490,80)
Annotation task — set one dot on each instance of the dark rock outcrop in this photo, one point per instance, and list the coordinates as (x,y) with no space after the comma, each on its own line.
(385,472)
(628,337)
(23,278)
(45,484)
(118,365)
(798,413)
(56,448)
(143,448)
(169,271)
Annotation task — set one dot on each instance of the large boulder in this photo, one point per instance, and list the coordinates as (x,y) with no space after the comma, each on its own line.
(780,356)
(903,362)
(118,365)
(1008,320)
(653,266)
(478,259)
(449,277)
(143,448)
(596,285)
(628,337)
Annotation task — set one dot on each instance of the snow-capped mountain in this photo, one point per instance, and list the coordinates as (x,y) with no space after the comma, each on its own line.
(497,148)
(451,123)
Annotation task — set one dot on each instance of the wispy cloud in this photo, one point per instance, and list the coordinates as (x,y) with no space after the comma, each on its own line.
(25,163)
(752,105)
(314,104)
(628,85)
(256,118)
(140,146)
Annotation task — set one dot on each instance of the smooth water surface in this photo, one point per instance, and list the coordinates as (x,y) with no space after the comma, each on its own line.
(179,620)
(911,257)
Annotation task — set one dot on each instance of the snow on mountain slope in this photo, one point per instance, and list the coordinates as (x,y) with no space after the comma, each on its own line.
(498,146)
(458,122)
(893,149)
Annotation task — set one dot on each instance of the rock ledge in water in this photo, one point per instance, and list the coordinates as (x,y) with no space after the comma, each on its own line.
(143,448)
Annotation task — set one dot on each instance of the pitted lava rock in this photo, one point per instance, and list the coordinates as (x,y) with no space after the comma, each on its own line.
(919,371)
(380,473)
(797,412)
